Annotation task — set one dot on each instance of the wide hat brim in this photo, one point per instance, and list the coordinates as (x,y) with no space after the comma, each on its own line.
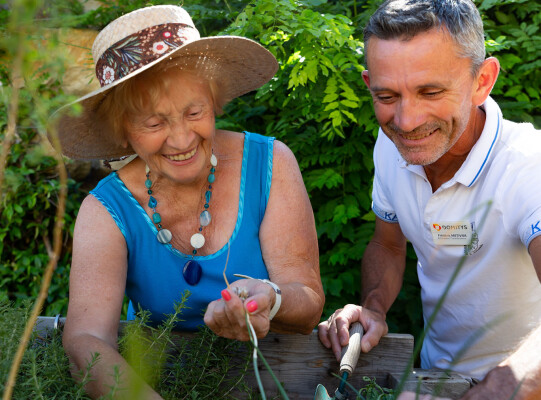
(238,65)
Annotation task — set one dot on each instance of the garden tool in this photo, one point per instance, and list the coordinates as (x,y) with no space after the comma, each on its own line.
(350,356)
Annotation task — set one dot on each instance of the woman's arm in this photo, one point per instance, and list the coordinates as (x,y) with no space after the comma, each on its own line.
(289,247)
(97,284)
(289,244)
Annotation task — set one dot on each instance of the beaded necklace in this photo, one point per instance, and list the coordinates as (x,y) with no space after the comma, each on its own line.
(192,270)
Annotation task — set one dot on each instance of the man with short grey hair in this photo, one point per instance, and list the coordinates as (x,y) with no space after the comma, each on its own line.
(463,185)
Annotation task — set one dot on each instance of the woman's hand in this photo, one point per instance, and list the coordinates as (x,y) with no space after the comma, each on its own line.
(226,316)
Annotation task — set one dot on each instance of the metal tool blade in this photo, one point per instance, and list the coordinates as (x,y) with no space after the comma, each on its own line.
(321,393)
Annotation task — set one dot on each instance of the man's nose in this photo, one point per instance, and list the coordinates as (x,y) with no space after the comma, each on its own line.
(409,115)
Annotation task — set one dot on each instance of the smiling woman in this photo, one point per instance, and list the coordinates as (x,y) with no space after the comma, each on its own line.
(193,200)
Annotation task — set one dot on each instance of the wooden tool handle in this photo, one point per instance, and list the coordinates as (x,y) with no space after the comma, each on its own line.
(350,353)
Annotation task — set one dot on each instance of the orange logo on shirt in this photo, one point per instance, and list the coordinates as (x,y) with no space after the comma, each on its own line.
(436,227)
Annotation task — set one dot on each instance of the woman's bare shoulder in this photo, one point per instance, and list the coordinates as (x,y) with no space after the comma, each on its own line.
(94,220)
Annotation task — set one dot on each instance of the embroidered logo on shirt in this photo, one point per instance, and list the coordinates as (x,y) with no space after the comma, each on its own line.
(385,215)
(474,245)
(535,228)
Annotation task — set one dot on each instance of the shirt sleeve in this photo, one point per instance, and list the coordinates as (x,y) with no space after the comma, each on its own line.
(520,196)
(381,205)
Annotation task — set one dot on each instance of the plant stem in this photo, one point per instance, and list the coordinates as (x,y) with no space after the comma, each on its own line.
(47,276)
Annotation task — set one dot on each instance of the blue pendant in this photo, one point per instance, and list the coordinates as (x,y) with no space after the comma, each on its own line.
(192,272)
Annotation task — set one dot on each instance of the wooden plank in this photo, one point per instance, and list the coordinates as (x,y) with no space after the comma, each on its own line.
(300,362)
(432,381)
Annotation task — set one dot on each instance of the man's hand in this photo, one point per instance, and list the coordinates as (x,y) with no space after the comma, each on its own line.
(334,333)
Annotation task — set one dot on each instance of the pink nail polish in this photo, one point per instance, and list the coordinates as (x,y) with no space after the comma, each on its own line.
(225,294)
(251,306)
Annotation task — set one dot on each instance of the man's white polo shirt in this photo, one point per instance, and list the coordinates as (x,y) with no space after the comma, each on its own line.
(495,300)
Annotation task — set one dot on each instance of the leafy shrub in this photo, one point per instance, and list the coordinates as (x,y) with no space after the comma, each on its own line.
(512,29)
(29,192)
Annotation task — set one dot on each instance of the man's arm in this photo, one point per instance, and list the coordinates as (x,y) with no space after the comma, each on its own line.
(518,377)
(383,267)
(520,374)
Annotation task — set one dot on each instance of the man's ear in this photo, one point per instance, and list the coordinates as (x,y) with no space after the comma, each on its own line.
(485,80)
(366,78)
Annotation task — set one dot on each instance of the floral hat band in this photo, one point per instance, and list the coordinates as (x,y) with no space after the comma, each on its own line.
(141,48)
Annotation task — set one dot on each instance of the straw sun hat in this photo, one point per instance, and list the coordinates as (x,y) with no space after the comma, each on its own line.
(139,40)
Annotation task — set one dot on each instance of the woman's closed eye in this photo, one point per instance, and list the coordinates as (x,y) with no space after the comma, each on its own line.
(153,123)
(194,112)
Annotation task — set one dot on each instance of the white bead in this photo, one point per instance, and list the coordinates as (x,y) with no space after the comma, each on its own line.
(213,160)
(147,169)
(197,240)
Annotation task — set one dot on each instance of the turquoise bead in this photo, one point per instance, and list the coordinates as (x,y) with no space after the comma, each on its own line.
(157,218)
(208,194)
(211,178)
(148,183)
(213,170)
(152,202)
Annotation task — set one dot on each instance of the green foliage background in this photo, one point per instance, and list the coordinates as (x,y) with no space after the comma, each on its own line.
(316,104)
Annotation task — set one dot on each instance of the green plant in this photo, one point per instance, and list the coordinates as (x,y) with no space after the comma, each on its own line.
(44,371)
(373,391)
(205,366)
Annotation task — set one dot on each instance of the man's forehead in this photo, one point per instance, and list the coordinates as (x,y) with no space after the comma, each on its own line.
(424,51)
(413,66)
(435,35)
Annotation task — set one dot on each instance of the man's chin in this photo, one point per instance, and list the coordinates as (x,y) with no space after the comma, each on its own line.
(418,158)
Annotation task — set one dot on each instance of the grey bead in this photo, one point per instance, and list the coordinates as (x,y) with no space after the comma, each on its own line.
(164,236)
(204,218)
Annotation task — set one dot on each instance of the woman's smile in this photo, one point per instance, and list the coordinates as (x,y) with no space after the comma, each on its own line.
(181,156)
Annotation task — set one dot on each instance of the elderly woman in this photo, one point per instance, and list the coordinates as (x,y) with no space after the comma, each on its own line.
(194,196)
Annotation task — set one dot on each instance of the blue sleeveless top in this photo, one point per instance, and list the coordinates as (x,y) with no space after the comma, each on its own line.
(155,280)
